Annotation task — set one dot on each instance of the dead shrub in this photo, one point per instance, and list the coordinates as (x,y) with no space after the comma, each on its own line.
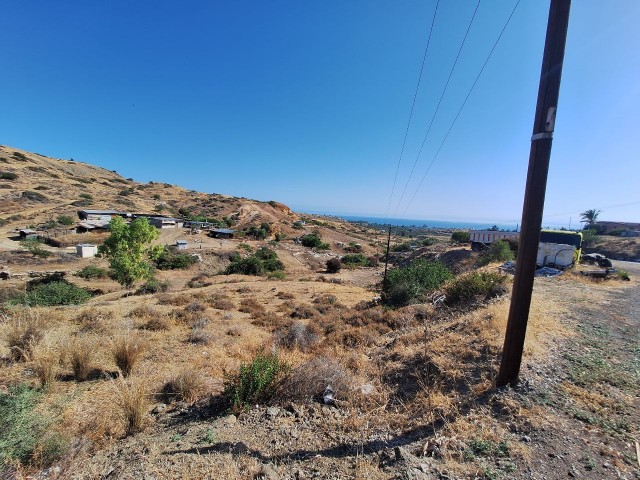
(222,303)
(303,311)
(252,307)
(200,321)
(143,312)
(157,324)
(234,331)
(285,295)
(94,320)
(326,303)
(175,300)
(199,281)
(132,401)
(350,338)
(307,382)
(195,307)
(200,336)
(81,354)
(126,350)
(297,335)
(23,335)
(187,386)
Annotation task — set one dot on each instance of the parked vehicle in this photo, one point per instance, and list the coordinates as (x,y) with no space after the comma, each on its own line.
(560,248)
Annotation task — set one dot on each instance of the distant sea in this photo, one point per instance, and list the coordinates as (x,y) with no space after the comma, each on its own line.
(408,222)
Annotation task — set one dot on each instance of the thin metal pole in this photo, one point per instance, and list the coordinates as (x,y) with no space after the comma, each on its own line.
(540,153)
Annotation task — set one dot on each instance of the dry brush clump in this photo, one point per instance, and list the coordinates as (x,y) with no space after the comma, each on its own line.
(186,386)
(25,329)
(94,320)
(46,360)
(132,399)
(252,307)
(126,350)
(81,355)
(220,301)
(298,335)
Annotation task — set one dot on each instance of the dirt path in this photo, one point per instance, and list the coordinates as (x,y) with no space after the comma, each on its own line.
(591,382)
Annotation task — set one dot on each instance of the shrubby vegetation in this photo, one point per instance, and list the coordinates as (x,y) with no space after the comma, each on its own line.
(407,285)
(264,261)
(91,271)
(475,285)
(499,251)
(35,248)
(460,236)
(24,434)
(8,176)
(334,265)
(255,382)
(53,293)
(170,259)
(355,260)
(314,240)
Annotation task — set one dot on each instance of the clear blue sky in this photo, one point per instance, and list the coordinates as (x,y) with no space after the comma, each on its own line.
(307,102)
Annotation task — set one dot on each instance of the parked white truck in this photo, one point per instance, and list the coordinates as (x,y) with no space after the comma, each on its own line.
(560,248)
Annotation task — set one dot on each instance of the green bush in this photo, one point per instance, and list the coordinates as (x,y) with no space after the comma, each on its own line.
(23,433)
(355,260)
(86,196)
(169,259)
(472,286)
(460,236)
(8,176)
(255,382)
(406,285)
(91,271)
(313,240)
(51,294)
(65,220)
(499,251)
(402,247)
(262,262)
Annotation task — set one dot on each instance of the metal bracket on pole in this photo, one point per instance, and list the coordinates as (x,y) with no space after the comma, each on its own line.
(541,136)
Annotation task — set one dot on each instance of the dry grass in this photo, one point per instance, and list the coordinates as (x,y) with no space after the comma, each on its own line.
(126,350)
(132,400)
(252,307)
(157,324)
(95,320)
(308,381)
(81,354)
(186,386)
(24,331)
(298,335)
(46,361)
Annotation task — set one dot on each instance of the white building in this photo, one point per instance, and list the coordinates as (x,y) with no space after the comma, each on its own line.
(86,250)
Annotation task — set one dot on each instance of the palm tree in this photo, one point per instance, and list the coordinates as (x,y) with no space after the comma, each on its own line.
(590,217)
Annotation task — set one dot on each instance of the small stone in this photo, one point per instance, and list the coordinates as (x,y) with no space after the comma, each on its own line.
(273,412)
(526,438)
(229,420)
(159,408)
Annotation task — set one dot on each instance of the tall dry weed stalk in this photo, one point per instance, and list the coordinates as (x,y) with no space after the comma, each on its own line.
(81,355)
(45,367)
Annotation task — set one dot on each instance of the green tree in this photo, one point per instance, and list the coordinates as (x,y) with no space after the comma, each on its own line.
(129,249)
(590,217)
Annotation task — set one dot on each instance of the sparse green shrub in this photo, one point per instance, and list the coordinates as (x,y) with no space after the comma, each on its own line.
(402,247)
(51,294)
(262,262)
(170,259)
(623,274)
(8,176)
(24,434)
(499,251)
(460,236)
(297,225)
(91,271)
(313,240)
(255,382)
(86,196)
(353,247)
(354,260)
(406,285)
(35,247)
(475,285)
(334,265)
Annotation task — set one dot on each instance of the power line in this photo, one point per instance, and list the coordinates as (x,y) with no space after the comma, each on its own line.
(413,104)
(435,112)
(463,105)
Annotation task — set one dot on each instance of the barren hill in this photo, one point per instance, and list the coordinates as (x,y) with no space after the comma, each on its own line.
(36,188)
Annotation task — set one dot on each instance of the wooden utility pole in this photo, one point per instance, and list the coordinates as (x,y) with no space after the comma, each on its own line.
(535,190)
